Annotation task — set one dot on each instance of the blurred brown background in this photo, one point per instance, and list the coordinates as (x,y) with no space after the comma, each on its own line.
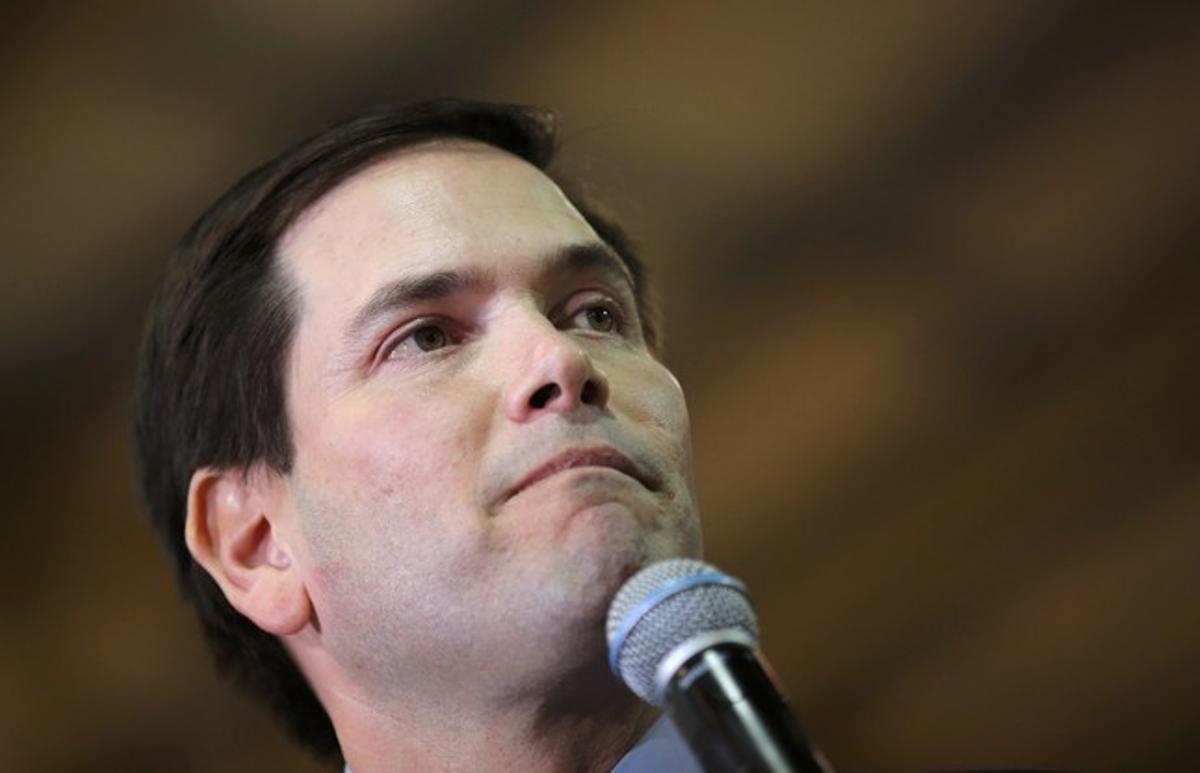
(931,281)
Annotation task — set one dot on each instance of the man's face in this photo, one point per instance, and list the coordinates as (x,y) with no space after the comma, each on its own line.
(485,448)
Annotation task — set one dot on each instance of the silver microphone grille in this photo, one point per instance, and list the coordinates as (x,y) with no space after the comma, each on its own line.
(664,605)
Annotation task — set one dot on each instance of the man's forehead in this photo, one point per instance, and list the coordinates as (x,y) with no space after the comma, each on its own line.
(414,176)
(438,189)
(446,205)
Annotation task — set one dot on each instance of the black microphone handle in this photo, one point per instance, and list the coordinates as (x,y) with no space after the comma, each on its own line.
(727,708)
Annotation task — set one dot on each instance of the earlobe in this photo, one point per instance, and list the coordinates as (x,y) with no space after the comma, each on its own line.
(230,532)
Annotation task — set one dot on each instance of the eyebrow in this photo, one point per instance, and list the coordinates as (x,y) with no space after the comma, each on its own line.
(437,285)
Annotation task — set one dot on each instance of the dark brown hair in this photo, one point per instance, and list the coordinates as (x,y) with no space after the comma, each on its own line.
(210,389)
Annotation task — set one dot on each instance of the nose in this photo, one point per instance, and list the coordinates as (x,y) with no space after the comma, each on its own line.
(554,375)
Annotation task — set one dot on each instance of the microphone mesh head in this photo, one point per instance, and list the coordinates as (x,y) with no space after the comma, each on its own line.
(663,606)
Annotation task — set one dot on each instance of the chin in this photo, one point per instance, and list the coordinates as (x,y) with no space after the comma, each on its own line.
(605,552)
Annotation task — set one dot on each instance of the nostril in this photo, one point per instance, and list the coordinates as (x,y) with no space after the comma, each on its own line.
(590,393)
(542,397)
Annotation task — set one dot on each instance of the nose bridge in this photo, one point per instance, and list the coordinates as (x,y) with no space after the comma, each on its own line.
(550,371)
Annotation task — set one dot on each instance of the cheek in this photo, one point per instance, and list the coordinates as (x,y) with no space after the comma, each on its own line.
(658,403)
(383,496)
(400,445)
(382,476)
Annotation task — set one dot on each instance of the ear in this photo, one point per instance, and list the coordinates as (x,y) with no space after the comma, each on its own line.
(232,531)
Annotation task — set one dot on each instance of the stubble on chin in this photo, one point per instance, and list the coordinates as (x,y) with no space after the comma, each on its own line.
(605,546)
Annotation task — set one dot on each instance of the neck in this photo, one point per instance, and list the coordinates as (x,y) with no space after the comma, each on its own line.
(586,723)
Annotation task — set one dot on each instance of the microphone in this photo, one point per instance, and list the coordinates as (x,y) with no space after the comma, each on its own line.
(683,637)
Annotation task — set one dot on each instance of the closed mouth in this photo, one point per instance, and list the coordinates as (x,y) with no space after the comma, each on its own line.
(598,456)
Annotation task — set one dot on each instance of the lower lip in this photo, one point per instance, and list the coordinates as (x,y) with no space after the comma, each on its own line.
(582,471)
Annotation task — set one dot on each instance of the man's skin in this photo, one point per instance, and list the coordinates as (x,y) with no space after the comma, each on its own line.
(485,450)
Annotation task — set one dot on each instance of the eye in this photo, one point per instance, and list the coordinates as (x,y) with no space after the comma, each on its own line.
(597,317)
(429,337)
(425,338)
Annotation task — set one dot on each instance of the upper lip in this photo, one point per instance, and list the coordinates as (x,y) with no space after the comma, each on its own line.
(591,456)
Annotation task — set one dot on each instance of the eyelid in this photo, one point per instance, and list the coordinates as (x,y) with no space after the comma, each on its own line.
(624,318)
(405,331)
(624,314)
